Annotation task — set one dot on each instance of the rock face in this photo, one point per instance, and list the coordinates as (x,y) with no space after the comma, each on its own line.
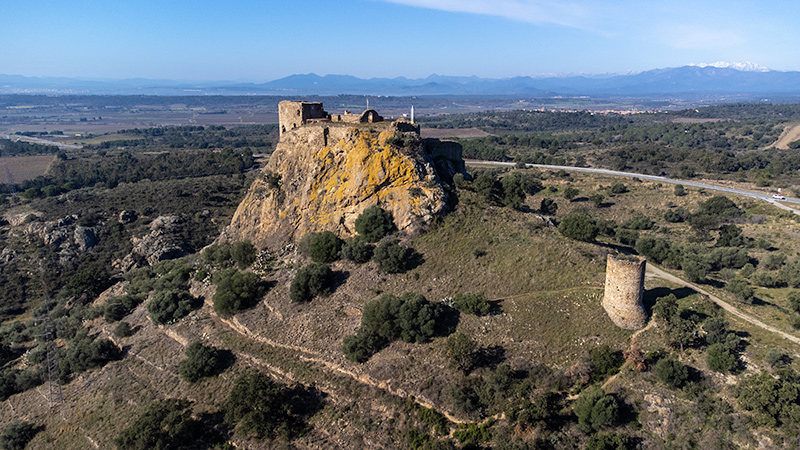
(323,175)
(163,242)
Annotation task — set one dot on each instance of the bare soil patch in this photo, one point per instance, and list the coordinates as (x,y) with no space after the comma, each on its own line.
(790,134)
(20,168)
(693,120)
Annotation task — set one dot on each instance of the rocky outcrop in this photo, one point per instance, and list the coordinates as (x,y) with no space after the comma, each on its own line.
(70,239)
(322,176)
(163,242)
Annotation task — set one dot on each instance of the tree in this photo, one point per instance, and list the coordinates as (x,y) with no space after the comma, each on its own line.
(201,361)
(374,223)
(260,407)
(618,188)
(513,191)
(473,303)
(310,281)
(595,409)
(608,441)
(460,350)
(170,305)
(236,291)
(720,358)
(164,424)
(679,190)
(579,226)
(597,199)
(671,372)
(391,257)
(774,400)
(548,206)
(243,253)
(17,435)
(324,247)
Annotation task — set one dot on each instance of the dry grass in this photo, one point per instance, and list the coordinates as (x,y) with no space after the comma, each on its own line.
(20,168)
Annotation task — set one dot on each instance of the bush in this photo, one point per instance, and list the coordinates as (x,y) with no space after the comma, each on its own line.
(513,191)
(217,255)
(794,301)
(115,311)
(638,222)
(391,257)
(374,223)
(676,215)
(579,226)
(243,254)
(720,358)
(473,303)
(671,372)
(324,247)
(774,401)
(597,199)
(570,193)
(679,190)
(548,206)
(460,349)
(165,424)
(83,354)
(123,330)
(236,291)
(608,441)
(17,435)
(595,409)
(409,317)
(741,289)
(604,361)
(618,188)
(310,281)
(356,249)
(168,306)
(201,361)
(259,407)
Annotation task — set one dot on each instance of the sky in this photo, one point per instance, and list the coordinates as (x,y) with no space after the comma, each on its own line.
(263,40)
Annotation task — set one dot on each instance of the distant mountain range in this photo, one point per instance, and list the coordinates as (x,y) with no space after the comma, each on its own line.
(736,81)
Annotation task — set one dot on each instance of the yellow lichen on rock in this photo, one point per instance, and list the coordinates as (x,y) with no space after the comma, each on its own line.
(329,175)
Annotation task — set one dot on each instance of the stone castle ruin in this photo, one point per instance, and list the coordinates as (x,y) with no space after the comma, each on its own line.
(294,114)
(624,293)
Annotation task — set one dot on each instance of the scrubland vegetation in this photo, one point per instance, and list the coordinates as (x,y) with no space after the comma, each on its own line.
(484,331)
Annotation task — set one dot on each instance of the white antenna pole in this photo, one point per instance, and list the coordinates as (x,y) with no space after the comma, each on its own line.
(367,102)
(412,113)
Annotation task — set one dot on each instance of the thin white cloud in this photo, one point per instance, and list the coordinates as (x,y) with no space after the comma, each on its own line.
(565,13)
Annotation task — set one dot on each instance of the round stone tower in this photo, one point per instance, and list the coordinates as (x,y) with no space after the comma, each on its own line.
(625,291)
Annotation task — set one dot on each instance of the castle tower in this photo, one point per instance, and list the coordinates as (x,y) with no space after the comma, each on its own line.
(625,291)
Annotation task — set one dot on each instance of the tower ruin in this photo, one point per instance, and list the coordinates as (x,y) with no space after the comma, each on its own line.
(625,291)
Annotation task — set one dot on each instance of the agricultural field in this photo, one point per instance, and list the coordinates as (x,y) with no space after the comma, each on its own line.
(21,168)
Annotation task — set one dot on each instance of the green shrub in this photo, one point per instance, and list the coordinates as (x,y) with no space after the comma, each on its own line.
(16,435)
(374,223)
(83,354)
(115,311)
(570,193)
(165,424)
(217,255)
(243,254)
(409,317)
(310,281)
(324,247)
(671,372)
(513,191)
(236,291)
(260,407)
(679,190)
(774,400)
(741,289)
(597,199)
(472,303)
(356,249)
(595,409)
(604,361)
(392,257)
(123,330)
(720,358)
(168,306)
(608,441)
(618,188)
(579,226)
(638,222)
(201,361)
(676,215)
(548,206)
(460,351)
(472,434)
(794,301)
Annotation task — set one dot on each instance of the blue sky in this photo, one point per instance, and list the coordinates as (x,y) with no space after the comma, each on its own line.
(264,40)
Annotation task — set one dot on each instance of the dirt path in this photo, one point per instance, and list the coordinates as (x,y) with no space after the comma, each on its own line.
(650,324)
(791,134)
(723,304)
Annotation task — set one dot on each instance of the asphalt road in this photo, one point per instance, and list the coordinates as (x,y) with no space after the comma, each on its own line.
(761,196)
(34,140)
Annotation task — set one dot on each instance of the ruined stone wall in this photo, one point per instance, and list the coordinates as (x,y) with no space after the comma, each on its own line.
(625,291)
(292,115)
